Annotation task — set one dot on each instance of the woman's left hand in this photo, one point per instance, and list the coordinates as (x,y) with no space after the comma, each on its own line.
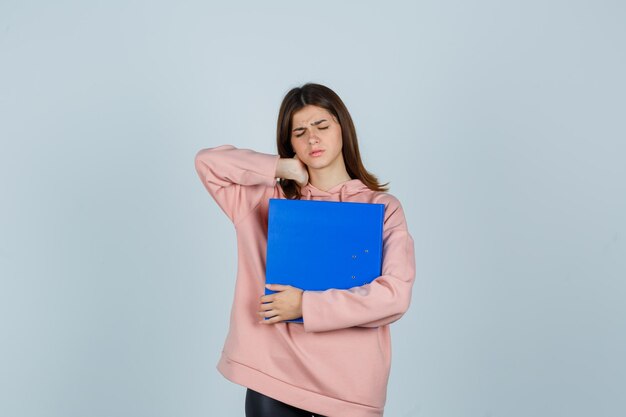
(286,304)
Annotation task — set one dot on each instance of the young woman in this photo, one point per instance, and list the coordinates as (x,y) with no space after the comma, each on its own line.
(337,362)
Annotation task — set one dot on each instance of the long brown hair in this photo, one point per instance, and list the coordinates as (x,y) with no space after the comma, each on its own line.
(321,96)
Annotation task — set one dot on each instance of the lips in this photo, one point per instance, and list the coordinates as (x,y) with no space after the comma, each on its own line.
(317,152)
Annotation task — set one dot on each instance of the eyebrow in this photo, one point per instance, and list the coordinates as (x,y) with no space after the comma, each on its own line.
(312,124)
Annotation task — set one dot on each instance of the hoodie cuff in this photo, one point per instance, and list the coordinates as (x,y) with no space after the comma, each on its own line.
(312,316)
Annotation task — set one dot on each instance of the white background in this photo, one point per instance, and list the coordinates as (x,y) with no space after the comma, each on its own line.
(499,125)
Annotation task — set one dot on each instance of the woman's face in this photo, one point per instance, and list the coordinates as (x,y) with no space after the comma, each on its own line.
(316,137)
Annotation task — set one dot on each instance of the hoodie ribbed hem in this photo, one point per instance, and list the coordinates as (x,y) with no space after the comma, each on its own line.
(290,394)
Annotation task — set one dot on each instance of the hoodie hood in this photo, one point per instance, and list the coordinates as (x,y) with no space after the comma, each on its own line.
(337,193)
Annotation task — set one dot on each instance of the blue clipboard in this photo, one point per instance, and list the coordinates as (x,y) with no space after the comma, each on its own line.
(317,245)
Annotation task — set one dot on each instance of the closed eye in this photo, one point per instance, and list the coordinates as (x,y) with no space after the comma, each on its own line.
(320,128)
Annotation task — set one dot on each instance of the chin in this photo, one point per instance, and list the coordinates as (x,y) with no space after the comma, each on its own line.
(316,164)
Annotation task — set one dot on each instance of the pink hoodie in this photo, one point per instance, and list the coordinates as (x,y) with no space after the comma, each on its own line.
(337,362)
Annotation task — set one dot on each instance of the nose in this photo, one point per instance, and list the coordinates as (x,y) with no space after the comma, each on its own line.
(313,138)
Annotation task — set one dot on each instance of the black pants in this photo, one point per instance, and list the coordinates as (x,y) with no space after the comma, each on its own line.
(259,405)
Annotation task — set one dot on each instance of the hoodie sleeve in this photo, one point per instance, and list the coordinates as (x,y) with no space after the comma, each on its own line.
(236,178)
(382,301)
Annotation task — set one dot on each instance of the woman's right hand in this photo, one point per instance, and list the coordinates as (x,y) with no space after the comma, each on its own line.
(293,169)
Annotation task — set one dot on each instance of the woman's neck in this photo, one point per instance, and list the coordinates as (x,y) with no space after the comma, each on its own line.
(324,180)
